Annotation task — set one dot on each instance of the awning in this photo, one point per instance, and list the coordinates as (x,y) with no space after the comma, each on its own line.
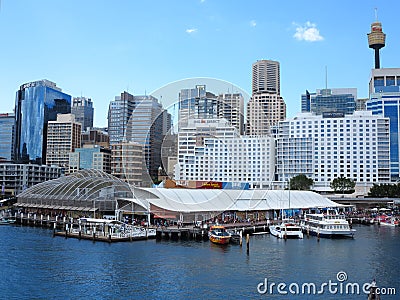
(164,216)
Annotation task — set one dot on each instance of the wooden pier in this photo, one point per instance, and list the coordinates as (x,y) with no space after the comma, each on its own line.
(198,233)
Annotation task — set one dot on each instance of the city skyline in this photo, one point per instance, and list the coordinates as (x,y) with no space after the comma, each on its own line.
(98,49)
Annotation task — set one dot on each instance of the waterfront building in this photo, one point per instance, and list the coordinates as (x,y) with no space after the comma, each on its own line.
(95,136)
(324,147)
(266,106)
(384,100)
(127,163)
(7,123)
(340,100)
(119,113)
(90,157)
(18,177)
(83,192)
(82,108)
(36,104)
(63,136)
(213,150)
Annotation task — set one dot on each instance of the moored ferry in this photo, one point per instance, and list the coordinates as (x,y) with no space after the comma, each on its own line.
(327,225)
(218,235)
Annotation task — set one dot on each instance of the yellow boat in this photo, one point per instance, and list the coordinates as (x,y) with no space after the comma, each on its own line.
(219,235)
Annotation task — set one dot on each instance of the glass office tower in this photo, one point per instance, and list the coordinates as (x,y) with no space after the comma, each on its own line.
(7,122)
(36,103)
(341,100)
(384,99)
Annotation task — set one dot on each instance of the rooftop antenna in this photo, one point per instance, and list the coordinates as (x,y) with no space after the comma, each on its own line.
(376,14)
(326,77)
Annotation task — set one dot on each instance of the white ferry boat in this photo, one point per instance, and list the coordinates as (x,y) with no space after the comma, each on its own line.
(287,230)
(327,225)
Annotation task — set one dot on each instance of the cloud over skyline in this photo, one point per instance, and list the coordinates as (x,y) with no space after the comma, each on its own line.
(191,30)
(307,32)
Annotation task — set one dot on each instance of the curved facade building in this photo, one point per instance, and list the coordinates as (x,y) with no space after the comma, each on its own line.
(36,103)
(86,191)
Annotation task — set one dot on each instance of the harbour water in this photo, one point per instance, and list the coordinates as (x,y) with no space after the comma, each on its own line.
(34,265)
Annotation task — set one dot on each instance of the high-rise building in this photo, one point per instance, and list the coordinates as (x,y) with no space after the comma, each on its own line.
(196,103)
(82,108)
(119,113)
(7,123)
(266,77)
(63,136)
(94,137)
(323,148)
(384,99)
(90,157)
(341,100)
(139,119)
(145,127)
(231,108)
(127,162)
(36,103)
(264,111)
(266,106)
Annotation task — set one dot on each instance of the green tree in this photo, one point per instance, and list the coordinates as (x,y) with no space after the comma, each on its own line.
(384,190)
(342,184)
(300,182)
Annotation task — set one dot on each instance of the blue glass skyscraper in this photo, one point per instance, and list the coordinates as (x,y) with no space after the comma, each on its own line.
(384,99)
(36,103)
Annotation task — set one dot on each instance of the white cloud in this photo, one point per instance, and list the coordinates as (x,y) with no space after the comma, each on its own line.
(253,23)
(191,30)
(307,32)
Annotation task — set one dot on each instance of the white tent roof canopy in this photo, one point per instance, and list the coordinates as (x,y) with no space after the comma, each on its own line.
(206,200)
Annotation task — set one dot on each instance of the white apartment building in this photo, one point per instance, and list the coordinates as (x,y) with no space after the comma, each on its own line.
(63,136)
(212,150)
(326,147)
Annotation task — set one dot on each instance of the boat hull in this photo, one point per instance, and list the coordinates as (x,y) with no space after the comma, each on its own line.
(221,240)
(276,231)
(331,234)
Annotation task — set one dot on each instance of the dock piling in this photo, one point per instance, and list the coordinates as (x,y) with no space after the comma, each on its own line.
(248,243)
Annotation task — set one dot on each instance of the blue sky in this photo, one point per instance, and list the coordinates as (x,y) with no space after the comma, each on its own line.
(100,48)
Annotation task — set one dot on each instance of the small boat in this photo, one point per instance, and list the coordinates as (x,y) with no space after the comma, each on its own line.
(388,221)
(286,230)
(219,235)
(330,225)
(6,221)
